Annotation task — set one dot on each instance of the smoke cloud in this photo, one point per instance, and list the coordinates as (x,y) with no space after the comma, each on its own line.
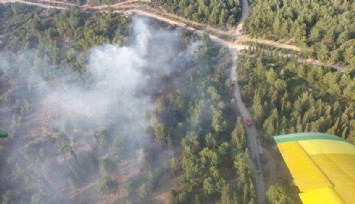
(116,93)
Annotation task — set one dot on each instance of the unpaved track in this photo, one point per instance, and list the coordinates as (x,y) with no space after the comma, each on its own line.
(271,167)
(246,38)
(236,39)
(253,142)
(145,6)
(161,13)
(43,4)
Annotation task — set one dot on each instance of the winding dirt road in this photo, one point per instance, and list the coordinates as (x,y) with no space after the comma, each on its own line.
(234,39)
(253,142)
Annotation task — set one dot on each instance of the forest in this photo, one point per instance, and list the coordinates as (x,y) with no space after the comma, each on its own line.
(325,26)
(103,108)
(221,13)
(23,27)
(287,96)
(213,152)
(178,132)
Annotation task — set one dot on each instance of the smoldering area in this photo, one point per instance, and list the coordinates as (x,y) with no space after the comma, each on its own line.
(62,123)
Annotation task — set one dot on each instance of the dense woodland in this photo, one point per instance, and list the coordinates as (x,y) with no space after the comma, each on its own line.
(73,159)
(214,149)
(287,96)
(326,26)
(197,144)
(221,13)
(59,36)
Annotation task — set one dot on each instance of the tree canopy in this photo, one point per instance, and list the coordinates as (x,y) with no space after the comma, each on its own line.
(328,27)
(288,96)
(221,13)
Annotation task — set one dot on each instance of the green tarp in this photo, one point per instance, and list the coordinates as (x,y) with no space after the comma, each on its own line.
(3,134)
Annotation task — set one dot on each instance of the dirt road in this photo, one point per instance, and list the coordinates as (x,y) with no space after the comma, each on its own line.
(144,5)
(253,142)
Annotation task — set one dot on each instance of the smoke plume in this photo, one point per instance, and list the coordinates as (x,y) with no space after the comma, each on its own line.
(116,94)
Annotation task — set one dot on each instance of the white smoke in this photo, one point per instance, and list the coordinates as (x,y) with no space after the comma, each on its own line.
(119,74)
(118,92)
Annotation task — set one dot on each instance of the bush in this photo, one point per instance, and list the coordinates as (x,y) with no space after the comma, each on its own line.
(107,185)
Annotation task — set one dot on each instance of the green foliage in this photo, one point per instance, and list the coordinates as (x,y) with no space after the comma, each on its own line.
(326,26)
(203,124)
(222,13)
(107,166)
(196,114)
(144,190)
(228,196)
(313,98)
(149,183)
(279,195)
(107,185)
(160,133)
(239,136)
(182,197)
(58,35)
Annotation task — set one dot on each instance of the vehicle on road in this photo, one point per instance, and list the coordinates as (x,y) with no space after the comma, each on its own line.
(248,122)
(256,163)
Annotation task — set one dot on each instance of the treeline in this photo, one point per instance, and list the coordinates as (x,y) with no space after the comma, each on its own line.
(221,13)
(59,36)
(199,120)
(288,97)
(328,27)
